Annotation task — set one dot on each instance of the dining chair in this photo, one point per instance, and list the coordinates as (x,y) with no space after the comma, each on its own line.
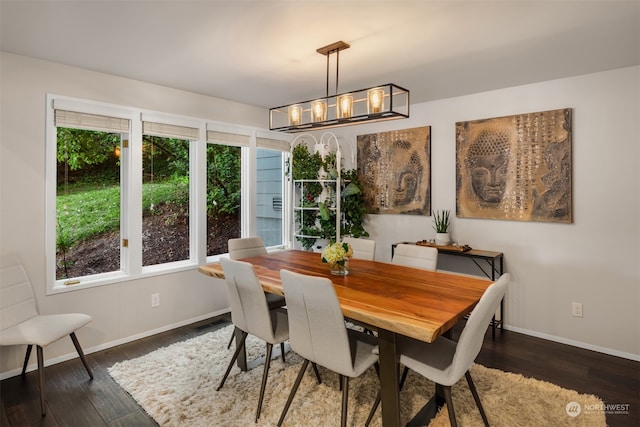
(318,334)
(251,315)
(444,361)
(362,248)
(424,257)
(246,247)
(22,324)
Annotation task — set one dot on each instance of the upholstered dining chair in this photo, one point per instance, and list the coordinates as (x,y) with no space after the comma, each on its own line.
(362,248)
(318,334)
(250,313)
(246,247)
(417,256)
(444,361)
(21,324)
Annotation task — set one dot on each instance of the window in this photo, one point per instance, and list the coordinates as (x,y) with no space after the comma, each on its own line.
(223,196)
(87,193)
(269,196)
(133,193)
(166,167)
(271,215)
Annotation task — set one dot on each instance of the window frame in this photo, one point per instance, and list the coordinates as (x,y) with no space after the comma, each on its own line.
(131,267)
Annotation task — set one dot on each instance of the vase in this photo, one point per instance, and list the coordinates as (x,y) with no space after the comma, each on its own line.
(340,269)
(443,239)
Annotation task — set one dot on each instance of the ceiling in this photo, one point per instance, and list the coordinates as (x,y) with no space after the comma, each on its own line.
(263,52)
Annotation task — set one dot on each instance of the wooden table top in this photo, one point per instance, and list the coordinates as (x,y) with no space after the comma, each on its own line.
(417,303)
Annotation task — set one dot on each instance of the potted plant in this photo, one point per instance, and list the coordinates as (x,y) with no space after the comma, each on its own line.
(318,228)
(441,225)
(354,209)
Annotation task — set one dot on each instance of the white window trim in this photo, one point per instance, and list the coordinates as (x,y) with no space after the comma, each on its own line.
(131,196)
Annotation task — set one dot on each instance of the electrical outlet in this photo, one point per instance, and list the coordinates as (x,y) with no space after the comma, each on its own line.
(155,300)
(576,309)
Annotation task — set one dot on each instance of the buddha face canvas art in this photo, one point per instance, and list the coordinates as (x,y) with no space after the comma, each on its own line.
(515,167)
(395,170)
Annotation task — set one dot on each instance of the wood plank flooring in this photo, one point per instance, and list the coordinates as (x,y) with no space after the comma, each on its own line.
(74,401)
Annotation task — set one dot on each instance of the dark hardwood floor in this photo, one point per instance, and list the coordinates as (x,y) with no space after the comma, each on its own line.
(73,400)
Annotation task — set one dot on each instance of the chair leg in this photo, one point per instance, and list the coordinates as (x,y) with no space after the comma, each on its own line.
(239,347)
(404,377)
(265,374)
(41,380)
(373,410)
(233,335)
(76,344)
(345,400)
(282,352)
(315,370)
(376,403)
(294,389)
(26,358)
(474,392)
(449,400)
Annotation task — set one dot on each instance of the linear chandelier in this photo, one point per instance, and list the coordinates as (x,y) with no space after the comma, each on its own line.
(384,102)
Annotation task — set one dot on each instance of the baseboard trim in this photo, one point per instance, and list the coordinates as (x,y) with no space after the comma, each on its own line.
(104,346)
(574,343)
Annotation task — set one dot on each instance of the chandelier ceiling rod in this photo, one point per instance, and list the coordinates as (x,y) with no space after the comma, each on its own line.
(327,51)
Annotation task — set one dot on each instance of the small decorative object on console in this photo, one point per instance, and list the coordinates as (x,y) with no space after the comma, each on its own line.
(441,221)
(450,248)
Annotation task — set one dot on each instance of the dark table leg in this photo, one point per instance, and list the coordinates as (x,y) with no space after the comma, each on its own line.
(389,379)
(430,410)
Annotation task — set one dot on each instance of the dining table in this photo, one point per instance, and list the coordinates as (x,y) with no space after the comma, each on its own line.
(394,300)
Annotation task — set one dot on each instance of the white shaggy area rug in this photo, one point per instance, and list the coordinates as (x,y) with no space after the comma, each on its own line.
(176,385)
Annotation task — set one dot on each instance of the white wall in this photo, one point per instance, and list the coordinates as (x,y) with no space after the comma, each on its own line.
(551,264)
(595,260)
(120,311)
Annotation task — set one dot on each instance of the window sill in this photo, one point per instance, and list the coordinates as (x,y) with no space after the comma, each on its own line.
(59,286)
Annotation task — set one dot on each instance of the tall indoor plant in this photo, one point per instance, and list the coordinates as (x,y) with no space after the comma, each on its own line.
(311,166)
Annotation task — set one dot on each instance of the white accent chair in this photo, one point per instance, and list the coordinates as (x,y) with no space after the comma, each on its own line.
(424,257)
(444,361)
(251,314)
(319,335)
(246,247)
(362,248)
(21,324)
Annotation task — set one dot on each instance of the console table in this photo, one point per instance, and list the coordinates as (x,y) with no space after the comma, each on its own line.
(490,263)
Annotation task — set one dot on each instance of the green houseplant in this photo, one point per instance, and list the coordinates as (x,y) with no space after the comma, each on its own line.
(304,165)
(441,225)
(353,206)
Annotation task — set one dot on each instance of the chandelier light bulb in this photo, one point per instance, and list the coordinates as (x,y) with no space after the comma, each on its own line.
(375,101)
(295,115)
(319,110)
(345,106)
